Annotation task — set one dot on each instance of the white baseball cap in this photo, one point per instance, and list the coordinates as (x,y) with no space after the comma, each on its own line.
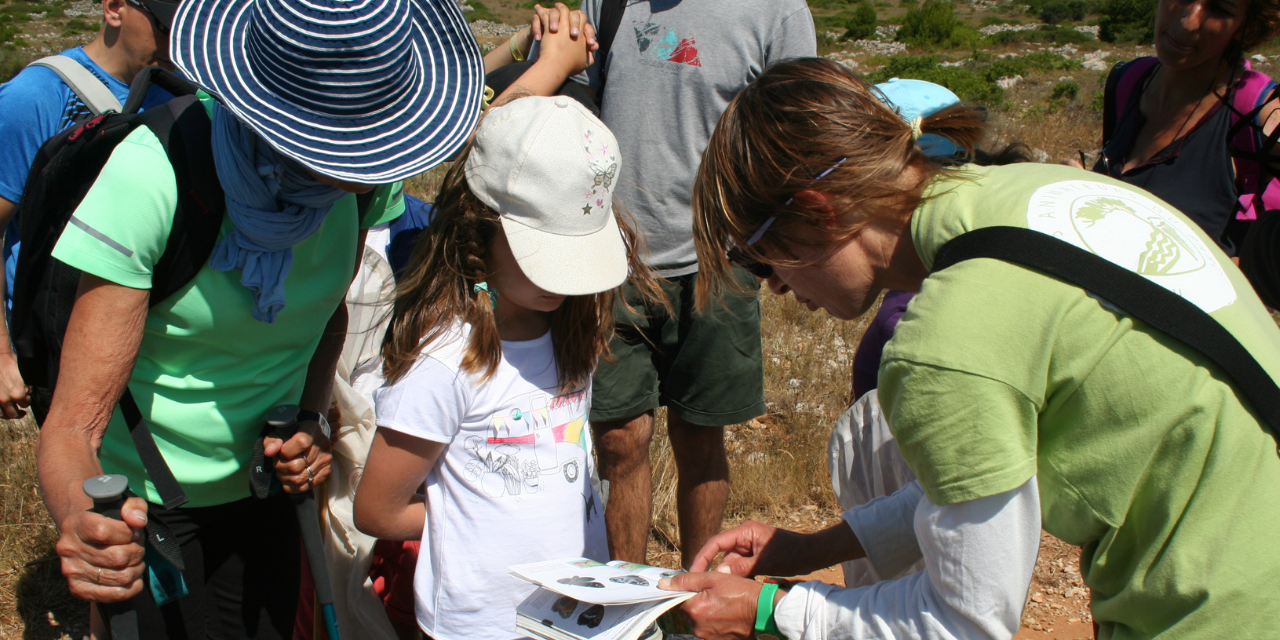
(548,167)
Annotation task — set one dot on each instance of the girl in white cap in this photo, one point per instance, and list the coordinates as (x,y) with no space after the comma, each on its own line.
(503,312)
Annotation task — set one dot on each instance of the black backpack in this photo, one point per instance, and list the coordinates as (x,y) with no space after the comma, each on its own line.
(64,169)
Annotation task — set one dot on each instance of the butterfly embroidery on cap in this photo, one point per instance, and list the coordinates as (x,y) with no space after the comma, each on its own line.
(604,163)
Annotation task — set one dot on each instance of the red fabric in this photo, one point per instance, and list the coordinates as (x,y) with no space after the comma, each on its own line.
(392,571)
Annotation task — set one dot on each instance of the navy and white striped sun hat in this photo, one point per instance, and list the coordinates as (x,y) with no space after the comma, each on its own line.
(366,91)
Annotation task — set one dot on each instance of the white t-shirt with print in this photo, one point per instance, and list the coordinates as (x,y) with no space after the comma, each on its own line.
(513,485)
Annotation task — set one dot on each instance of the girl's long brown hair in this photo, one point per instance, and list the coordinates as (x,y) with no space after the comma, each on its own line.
(437,291)
(793,123)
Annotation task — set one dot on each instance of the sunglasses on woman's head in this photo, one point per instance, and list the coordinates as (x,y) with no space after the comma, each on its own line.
(738,258)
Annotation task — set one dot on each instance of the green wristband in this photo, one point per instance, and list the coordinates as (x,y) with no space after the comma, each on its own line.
(765,623)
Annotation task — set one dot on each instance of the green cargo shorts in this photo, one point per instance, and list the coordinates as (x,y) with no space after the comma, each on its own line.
(706,366)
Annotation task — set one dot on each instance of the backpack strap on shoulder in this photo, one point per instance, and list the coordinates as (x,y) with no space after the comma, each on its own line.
(610,19)
(1137,296)
(1250,147)
(1121,84)
(92,92)
(184,129)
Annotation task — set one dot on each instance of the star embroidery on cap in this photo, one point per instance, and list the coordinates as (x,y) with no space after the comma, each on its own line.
(586,210)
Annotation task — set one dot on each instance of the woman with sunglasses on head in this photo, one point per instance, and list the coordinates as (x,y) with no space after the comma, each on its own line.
(1019,401)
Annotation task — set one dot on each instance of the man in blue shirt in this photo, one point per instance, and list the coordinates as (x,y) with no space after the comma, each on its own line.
(37,105)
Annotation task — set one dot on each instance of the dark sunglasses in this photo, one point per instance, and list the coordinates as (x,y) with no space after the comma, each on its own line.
(739,258)
(161,23)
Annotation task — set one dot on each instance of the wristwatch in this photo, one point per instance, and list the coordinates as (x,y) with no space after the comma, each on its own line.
(307,415)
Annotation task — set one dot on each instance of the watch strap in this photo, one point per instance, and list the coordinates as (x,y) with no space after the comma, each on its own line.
(307,415)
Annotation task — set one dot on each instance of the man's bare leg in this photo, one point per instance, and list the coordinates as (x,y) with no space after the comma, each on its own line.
(703,487)
(622,448)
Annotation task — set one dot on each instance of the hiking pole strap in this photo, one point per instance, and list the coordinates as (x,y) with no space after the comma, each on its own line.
(1135,295)
(166,485)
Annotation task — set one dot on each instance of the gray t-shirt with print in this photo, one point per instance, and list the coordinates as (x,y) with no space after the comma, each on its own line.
(673,68)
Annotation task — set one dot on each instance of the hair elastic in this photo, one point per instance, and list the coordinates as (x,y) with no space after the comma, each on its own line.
(493,293)
(917,124)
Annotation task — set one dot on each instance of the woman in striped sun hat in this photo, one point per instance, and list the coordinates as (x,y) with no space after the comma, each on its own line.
(317,109)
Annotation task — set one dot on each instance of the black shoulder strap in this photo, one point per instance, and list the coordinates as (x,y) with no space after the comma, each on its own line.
(166,485)
(610,19)
(1139,297)
(1110,110)
(184,130)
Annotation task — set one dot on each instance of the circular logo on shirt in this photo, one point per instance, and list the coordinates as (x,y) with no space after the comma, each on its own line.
(1135,232)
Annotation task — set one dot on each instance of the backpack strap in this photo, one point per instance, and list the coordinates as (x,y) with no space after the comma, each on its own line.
(1135,295)
(1121,84)
(184,129)
(610,19)
(1250,148)
(92,92)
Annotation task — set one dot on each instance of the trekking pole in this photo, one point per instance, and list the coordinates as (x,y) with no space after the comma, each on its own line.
(284,421)
(108,493)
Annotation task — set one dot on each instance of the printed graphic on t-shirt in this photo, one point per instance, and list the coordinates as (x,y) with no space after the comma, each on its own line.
(541,440)
(660,46)
(1134,232)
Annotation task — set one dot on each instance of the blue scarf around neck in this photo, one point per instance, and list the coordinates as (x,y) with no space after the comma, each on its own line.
(274,204)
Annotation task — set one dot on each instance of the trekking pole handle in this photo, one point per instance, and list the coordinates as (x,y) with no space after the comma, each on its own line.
(108,493)
(283,419)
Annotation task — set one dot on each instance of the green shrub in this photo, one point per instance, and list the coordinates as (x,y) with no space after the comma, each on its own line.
(1127,21)
(76,26)
(480,12)
(12,60)
(994,20)
(1046,61)
(9,31)
(1005,68)
(1067,91)
(863,24)
(1046,34)
(934,24)
(1056,11)
(1098,101)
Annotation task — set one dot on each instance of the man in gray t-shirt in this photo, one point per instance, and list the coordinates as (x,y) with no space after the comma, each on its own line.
(673,68)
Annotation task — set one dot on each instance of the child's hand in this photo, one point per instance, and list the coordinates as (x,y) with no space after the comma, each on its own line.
(568,50)
(548,21)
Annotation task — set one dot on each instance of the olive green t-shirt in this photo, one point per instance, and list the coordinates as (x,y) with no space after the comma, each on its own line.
(207,372)
(1144,452)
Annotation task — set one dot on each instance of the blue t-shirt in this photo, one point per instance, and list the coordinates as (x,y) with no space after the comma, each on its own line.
(37,105)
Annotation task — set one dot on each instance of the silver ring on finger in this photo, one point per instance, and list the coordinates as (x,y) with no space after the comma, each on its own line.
(311,477)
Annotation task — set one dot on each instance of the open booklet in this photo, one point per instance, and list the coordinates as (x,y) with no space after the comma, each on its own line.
(581,599)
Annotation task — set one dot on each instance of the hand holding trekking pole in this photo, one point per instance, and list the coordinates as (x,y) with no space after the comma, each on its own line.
(302,459)
(102,549)
(282,422)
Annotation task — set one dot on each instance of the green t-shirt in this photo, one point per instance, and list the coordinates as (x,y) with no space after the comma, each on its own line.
(207,372)
(1143,452)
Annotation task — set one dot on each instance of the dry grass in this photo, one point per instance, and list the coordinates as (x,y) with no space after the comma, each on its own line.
(34,601)
(778,471)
